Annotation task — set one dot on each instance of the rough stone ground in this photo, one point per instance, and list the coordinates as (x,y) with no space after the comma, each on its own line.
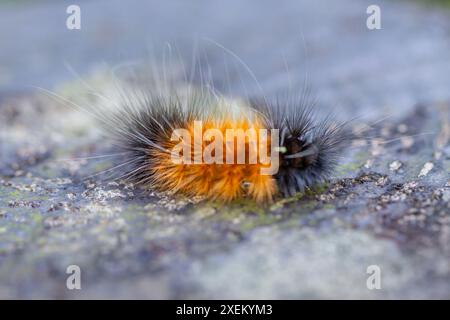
(388,204)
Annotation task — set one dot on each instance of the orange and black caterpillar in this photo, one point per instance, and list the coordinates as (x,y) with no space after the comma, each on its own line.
(143,126)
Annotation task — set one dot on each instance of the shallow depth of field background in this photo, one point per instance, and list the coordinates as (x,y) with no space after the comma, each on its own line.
(387,205)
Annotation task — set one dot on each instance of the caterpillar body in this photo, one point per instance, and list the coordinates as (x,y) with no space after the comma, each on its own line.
(143,128)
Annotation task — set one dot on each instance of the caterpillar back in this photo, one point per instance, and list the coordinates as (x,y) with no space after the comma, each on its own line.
(144,124)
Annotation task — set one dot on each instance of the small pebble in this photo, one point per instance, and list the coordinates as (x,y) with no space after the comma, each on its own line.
(394,166)
(71,196)
(426,169)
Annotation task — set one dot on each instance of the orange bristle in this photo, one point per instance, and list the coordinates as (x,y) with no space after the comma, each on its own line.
(223,182)
(293,149)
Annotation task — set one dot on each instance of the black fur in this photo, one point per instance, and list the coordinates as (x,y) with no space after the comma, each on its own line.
(310,147)
(319,142)
(144,124)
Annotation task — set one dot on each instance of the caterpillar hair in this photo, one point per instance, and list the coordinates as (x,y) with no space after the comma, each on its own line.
(311,147)
(143,125)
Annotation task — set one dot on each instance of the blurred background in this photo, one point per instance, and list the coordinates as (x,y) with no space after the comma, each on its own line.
(346,63)
(388,204)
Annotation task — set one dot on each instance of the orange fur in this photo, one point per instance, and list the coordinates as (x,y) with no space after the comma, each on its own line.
(223,182)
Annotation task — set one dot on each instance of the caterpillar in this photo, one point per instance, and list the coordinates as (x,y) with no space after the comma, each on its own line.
(305,149)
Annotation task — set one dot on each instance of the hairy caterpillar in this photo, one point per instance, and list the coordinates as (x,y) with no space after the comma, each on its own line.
(143,126)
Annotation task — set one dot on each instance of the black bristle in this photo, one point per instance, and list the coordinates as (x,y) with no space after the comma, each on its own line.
(309,147)
(320,143)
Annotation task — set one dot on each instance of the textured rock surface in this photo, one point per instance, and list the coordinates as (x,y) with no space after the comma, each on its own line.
(388,205)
